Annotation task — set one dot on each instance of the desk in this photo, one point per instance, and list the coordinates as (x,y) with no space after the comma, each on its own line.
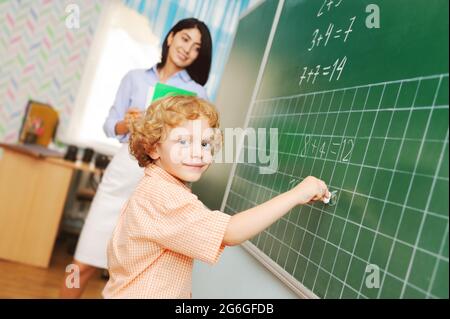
(33,190)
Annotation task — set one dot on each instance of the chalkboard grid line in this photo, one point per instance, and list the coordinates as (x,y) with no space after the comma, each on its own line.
(259,237)
(429,77)
(292,144)
(342,184)
(445,179)
(290,148)
(278,271)
(288,246)
(391,109)
(422,223)
(309,217)
(304,128)
(364,138)
(437,177)
(315,279)
(313,98)
(350,221)
(370,191)
(275,193)
(390,185)
(312,262)
(271,123)
(320,216)
(270,250)
(286,226)
(303,238)
(373,183)
(298,252)
(382,168)
(407,193)
(337,278)
(332,174)
(330,243)
(436,265)
(259,189)
(311,106)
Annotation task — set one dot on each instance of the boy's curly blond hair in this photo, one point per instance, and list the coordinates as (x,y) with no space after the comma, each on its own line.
(164,114)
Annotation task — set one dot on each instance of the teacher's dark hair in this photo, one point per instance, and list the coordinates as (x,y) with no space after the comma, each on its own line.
(199,69)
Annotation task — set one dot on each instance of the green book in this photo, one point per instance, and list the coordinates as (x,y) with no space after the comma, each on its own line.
(162,90)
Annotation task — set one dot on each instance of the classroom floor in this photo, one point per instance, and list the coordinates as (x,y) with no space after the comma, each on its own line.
(22,281)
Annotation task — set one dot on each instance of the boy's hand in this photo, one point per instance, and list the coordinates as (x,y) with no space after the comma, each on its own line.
(310,189)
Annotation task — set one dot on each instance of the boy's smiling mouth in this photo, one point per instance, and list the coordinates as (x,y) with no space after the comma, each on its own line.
(194,165)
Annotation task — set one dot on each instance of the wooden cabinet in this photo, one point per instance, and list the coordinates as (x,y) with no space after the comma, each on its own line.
(33,192)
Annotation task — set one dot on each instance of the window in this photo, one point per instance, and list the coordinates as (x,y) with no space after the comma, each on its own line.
(123,41)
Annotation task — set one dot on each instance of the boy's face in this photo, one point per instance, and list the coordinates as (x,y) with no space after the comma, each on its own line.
(187,151)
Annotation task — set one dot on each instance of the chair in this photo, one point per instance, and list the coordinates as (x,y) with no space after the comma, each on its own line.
(41,114)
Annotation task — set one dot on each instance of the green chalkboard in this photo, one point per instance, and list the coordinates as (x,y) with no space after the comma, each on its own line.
(364,106)
(235,93)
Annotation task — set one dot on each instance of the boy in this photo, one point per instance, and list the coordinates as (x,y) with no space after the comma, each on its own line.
(163,226)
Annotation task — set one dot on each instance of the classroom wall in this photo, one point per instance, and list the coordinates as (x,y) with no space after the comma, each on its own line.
(40,58)
(237,275)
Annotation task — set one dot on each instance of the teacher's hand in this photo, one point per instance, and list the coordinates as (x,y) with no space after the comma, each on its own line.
(132,114)
(123,127)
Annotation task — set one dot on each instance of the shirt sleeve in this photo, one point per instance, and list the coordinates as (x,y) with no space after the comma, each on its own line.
(119,108)
(184,225)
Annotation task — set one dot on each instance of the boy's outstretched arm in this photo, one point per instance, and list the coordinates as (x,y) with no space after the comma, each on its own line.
(246,224)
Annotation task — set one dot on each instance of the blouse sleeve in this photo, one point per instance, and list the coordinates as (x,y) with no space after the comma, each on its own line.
(119,108)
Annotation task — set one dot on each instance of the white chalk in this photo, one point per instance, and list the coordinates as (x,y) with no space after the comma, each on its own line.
(330,200)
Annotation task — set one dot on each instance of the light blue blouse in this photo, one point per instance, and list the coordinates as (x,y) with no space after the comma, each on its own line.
(133,92)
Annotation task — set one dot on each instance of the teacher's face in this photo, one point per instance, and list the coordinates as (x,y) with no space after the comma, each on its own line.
(184,47)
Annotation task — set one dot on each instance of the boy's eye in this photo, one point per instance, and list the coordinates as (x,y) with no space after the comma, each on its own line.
(183,142)
(206,145)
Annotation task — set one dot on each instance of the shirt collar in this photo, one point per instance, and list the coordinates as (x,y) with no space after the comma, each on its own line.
(152,70)
(155,170)
(183,74)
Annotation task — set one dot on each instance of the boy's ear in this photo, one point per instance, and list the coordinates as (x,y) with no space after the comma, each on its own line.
(153,153)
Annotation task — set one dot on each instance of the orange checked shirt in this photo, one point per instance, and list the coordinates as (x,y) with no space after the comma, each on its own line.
(161,230)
